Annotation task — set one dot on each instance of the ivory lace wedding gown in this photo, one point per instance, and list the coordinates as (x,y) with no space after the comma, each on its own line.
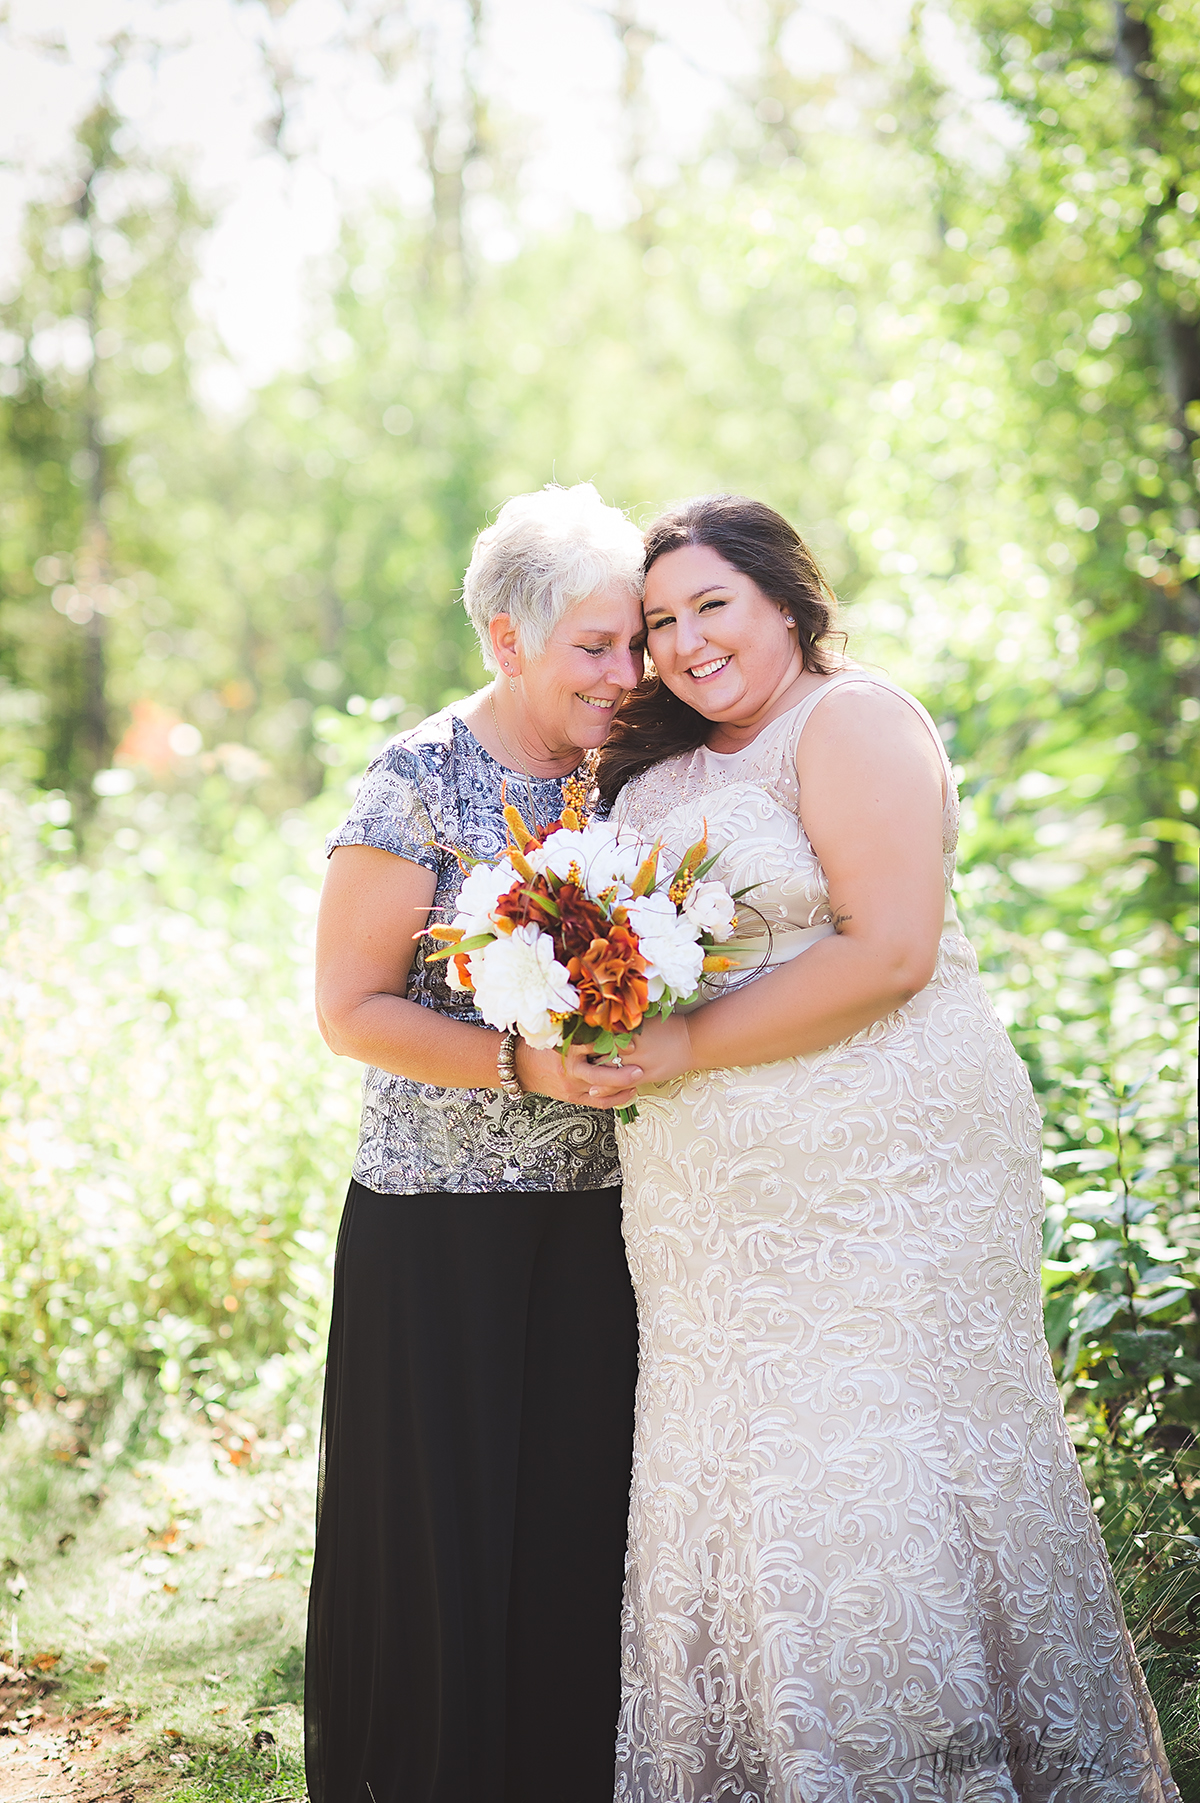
(863,1567)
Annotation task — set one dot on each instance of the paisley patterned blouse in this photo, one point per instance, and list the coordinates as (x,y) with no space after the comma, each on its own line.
(430,789)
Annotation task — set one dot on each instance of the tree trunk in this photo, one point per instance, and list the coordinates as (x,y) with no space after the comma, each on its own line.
(635,39)
(1133,54)
(94,563)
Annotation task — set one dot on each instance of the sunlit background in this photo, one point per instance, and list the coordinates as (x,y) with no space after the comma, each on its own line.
(292,296)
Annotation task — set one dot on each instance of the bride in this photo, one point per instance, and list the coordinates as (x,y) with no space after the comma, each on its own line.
(863,1567)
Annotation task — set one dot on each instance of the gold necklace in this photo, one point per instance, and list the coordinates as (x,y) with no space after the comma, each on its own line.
(513,758)
(571,777)
(505,747)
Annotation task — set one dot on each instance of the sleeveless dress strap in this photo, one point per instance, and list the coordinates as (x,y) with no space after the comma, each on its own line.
(843,679)
(801,714)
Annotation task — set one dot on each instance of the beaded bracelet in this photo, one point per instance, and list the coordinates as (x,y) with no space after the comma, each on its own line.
(506,1066)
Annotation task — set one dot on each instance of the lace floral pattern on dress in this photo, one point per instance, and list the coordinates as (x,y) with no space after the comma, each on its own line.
(863,1565)
(428,790)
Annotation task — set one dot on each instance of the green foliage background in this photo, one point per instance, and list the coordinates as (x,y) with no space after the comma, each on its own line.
(968,369)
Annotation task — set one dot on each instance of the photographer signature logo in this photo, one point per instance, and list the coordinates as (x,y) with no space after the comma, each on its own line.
(1062,1761)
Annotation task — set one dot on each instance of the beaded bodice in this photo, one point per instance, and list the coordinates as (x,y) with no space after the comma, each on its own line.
(748,803)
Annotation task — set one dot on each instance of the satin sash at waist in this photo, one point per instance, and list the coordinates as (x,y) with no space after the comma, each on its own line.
(781,947)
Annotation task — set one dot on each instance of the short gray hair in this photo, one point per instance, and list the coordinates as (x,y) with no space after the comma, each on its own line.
(545,552)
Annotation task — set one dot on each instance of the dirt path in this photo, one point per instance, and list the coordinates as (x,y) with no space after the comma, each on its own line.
(87,1754)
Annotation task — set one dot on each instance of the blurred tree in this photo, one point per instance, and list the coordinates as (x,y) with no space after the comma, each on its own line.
(962,361)
(96,375)
(635,39)
(1082,257)
(93,564)
(430,62)
(941,369)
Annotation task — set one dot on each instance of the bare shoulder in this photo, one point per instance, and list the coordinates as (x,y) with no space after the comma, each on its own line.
(868,739)
(866,712)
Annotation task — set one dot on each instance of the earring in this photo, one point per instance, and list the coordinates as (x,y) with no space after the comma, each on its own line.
(788,620)
(512,683)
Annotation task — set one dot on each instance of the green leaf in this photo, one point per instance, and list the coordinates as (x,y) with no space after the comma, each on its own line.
(1157,1276)
(1057,1314)
(1144,1355)
(1159,1305)
(1113,1385)
(1099,1310)
(462,945)
(702,870)
(1177,832)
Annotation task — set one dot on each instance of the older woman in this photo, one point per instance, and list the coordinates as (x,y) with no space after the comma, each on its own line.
(464,1616)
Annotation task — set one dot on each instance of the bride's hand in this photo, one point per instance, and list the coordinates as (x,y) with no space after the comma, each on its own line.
(573,1078)
(661,1051)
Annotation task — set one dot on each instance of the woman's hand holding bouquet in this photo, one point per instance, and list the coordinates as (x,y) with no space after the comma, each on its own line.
(579,934)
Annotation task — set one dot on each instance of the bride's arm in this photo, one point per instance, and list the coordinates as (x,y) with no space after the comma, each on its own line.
(872,793)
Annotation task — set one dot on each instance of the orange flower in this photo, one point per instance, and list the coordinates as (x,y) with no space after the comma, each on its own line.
(579,921)
(523,906)
(610,978)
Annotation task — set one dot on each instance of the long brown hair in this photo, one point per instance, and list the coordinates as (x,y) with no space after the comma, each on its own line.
(652,723)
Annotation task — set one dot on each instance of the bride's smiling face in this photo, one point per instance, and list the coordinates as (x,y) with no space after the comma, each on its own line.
(717,641)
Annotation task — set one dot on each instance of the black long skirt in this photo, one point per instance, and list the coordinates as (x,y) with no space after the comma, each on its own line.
(463,1632)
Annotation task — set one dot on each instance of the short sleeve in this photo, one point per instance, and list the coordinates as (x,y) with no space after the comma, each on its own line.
(395,809)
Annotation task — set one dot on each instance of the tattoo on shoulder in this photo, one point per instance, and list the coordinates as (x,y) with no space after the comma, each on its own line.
(839,921)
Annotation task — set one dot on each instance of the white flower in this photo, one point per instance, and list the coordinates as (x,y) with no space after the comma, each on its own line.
(519,984)
(479,894)
(609,859)
(602,857)
(561,850)
(667,941)
(710,907)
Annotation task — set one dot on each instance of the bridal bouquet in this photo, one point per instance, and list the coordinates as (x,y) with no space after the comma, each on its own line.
(579,933)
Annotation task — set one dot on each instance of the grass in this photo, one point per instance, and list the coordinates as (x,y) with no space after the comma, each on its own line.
(171,1591)
(176,1142)
(166,1597)
(240,1774)
(1173,1685)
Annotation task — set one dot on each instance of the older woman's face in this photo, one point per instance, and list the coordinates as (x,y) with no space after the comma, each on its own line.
(593,658)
